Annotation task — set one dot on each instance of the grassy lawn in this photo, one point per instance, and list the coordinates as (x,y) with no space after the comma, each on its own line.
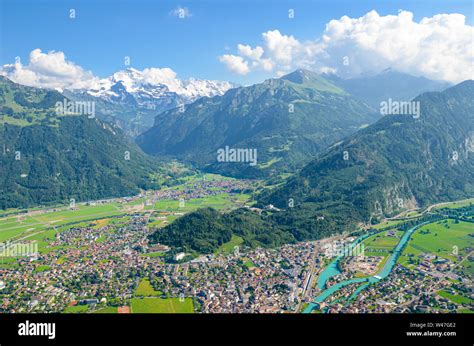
(36,223)
(230,245)
(42,268)
(101,223)
(145,289)
(388,224)
(61,260)
(440,240)
(382,239)
(219,202)
(468,267)
(76,309)
(153,254)
(8,262)
(457,204)
(159,305)
(375,253)
(248,263)
(456,298)
(100,239)
(107,310)
(39,226)
(381,244)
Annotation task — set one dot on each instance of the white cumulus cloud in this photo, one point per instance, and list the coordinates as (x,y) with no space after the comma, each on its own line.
(54,71)
(235,63)
(49,70)
(157,76)
(439,47)
(249,52)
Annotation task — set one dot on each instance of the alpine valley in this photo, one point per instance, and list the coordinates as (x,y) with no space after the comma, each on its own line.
(292,157)
(399,163)
(286,120)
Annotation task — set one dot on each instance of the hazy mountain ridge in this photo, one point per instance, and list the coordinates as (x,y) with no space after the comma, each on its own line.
(378,87)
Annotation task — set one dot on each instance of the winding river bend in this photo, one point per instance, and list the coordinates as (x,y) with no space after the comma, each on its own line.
(333,269)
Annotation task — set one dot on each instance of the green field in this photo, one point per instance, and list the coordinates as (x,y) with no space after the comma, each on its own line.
(159,305)
(8,262)
(448,240)
(229,247)
(438,239)
(381,244)
(456,298)
(107,310)
(43,225)
(76,309)
(42,268)
(390,223)
(248,263)
(28,226)
(153,254)
(456,204)
(220,202)
(383,239)
(145,289)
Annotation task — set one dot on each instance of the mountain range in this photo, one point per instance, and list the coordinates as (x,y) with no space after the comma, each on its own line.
(399,163)
(51,157)
(131,99)
(286,121)
(356,166)
(374,88)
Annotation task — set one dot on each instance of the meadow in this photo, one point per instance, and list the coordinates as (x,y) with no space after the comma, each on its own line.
(159,305)
(145,289)
(229,247)
(456,204)
(381,244)
(107,310)
(446,239)
(77,309)
(455,297)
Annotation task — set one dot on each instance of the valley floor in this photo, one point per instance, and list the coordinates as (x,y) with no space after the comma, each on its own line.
(95,257)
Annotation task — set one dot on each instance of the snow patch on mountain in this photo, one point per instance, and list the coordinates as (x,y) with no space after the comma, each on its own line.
(154,83)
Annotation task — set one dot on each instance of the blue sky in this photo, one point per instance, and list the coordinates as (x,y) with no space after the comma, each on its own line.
(104,32)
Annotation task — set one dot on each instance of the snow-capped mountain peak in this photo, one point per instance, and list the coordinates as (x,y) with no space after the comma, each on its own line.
(132,98)
(157,83)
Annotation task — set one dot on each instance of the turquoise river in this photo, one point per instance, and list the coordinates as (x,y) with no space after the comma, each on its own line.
(333,269)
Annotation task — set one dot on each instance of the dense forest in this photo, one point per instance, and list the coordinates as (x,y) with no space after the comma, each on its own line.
(204,230)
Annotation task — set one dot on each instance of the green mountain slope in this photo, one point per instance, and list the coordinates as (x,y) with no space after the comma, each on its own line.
(50,158)
(398,163)
(286,120)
